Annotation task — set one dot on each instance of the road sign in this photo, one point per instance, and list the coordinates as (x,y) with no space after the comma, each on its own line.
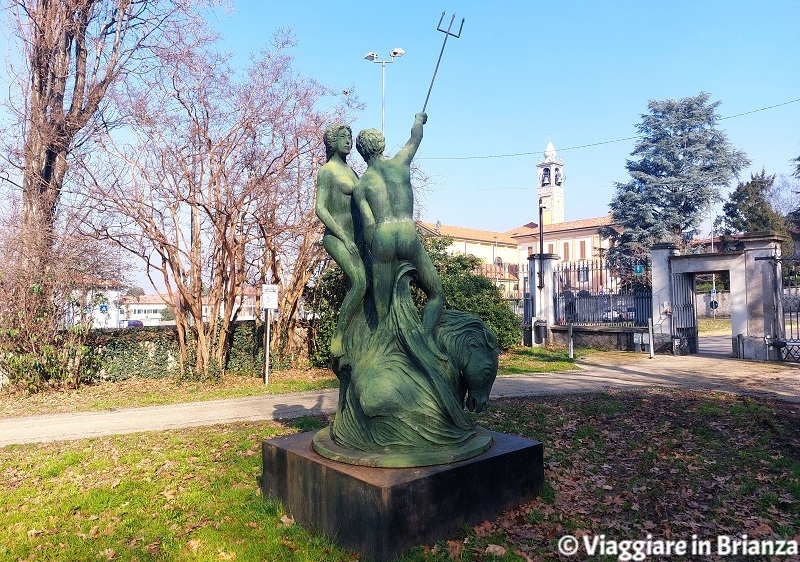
(104,309)
(269,296)
(714,304)
(713,291)
(638,269)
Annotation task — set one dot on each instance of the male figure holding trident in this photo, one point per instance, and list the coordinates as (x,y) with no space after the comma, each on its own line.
(386,204)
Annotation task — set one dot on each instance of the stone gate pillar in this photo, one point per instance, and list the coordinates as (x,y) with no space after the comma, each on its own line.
(762,295)
(543,299)
(662,304)
(755,297)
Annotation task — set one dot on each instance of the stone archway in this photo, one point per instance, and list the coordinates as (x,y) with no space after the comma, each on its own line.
(754,282)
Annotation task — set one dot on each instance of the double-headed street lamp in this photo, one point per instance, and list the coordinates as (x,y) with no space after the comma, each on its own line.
(397,52)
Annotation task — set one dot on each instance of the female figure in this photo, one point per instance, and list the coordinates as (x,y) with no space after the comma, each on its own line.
(335,183)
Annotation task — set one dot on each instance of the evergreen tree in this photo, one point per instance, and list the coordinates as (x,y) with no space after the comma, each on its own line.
(679,164)
(748,208)
(793,217)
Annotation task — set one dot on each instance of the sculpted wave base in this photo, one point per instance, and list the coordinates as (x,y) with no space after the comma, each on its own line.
(479,443)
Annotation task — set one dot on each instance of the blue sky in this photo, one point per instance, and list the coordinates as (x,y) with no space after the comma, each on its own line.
(580,71)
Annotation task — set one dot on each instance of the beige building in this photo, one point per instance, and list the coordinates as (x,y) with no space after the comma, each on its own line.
(572,240)
(506,253)
(498,250)
(550,177)
(149,308)
(145,308)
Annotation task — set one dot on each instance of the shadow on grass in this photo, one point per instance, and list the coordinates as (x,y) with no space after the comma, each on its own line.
(301,417)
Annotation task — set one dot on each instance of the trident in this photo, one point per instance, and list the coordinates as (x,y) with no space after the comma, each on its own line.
(446,35)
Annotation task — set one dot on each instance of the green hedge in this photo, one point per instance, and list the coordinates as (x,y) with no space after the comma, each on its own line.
(246,355)
(153,352)
(116,355)
(150,353)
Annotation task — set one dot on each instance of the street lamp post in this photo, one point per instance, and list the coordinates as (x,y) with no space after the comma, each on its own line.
(396,52)
(542,206)
(494,260)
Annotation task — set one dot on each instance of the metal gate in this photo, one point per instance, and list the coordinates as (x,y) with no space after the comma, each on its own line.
(684,314)
(788,287)
(589,294)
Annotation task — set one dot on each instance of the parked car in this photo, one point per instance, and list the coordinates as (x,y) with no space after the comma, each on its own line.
(619,316)
(610,316)
(134,324)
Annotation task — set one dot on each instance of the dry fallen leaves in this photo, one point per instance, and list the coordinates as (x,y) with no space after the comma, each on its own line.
(658,462)
(495,549)
(107,554)
(154,549)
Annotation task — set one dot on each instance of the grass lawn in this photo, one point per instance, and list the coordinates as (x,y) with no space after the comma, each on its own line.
(155,392)
(713,326)
(536,360)
(671,463)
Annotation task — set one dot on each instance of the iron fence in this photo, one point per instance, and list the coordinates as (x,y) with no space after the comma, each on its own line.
(684,314)
(790,297)
(590,293)
(517,306)
(509,278)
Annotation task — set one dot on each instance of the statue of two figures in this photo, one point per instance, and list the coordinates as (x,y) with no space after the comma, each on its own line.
(404,379)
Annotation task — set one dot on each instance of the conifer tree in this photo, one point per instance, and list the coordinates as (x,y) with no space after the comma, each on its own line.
(748,208)
(676,169)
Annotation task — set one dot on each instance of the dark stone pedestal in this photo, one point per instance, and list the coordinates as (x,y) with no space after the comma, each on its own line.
(382,512)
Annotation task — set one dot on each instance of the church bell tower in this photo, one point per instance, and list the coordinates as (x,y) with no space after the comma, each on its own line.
(551,186)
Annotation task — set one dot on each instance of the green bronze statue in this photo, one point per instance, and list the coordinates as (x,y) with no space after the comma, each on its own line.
(335,183)
(404,380)
(386,204)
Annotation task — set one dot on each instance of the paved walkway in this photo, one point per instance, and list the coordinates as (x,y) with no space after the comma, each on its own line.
(715,346)
(709,370)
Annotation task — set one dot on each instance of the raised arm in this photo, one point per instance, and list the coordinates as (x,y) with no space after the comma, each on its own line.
(406,154)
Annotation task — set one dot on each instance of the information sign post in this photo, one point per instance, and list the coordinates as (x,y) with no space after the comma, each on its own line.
(269,302)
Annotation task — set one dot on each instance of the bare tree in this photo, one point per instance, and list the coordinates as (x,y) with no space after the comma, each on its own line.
(211,186)
(783,196)
(74,51)
(43,326)
(72,55)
